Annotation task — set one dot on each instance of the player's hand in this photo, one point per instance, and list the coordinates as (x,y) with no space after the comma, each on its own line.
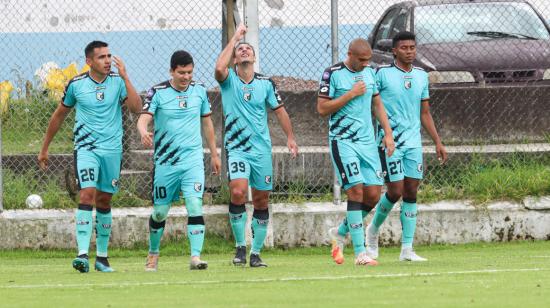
(43,159)
(389,145)
(292,147)
(240,32)
(146,139)
(359,88)
(216,164)
(441,153)
(120,67)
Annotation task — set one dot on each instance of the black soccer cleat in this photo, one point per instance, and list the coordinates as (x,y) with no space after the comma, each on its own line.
(255,261)
(240,256)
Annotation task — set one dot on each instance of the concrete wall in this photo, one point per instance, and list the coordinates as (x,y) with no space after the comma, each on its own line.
(294,225)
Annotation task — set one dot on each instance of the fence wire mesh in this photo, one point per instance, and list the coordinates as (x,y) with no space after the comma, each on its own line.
(488,64)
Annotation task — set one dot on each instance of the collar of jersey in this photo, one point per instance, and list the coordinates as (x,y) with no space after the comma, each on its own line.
(251,81)
(404,71)
(171,86)
(349,69)
(91,78)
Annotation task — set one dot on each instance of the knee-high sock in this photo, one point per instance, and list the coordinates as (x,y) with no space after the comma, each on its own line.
(355,223)
(260,219)
(408,222)
(195,225)
(157,221)
(343,228)
(103,222)
(383,209)
(83,228)
(237,218)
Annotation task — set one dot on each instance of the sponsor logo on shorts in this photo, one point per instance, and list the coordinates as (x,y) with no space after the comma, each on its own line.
(268,179)
(198,187)
(343,175)
(82,222)
(380,174)
(100,96)
(419,167)
(356,226)
(114,182)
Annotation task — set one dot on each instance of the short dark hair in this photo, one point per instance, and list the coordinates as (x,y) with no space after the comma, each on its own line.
(245,43)
(403,36)
(180,57)
(89,50)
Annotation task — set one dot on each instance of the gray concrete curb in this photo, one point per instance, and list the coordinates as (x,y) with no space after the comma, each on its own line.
(294,225)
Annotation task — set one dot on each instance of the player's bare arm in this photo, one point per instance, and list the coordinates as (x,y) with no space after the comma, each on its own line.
(286,125)
(142,124)
(224,60)
(208,131)
(380,113)
(428,124)
(56,120)
(134,100)
(327,106)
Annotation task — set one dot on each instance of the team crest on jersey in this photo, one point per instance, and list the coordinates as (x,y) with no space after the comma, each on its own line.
(380,174)
(182,101)
(99,95)
(198,187)
(247,96)
(268,179)
(408,84)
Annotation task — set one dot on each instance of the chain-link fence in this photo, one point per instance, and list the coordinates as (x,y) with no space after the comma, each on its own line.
(488,63)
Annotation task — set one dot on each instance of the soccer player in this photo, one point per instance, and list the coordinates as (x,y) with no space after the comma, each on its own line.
(246,96)
(347,94)
(97,96)
(179,107)
(404,91)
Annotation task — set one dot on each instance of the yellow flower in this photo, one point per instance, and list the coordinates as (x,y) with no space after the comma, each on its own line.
(5,89)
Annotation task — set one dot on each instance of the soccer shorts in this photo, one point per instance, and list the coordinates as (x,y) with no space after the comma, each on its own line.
(170,180)
(257,169)
(97,169)
(403,163)
(356,163)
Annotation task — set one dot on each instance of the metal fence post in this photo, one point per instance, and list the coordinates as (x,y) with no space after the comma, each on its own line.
(336,191)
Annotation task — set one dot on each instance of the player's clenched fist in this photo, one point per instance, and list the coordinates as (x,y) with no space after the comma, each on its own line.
(359,88)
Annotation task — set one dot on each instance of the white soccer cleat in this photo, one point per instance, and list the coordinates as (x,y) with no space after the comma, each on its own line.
(151,265)
(338,242)
(408,254)
(363,259)
(372,242)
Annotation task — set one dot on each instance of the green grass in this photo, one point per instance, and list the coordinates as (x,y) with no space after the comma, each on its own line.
(484,179)
(25,123)
(479,275)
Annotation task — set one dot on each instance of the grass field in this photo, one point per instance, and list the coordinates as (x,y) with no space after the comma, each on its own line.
(477,275)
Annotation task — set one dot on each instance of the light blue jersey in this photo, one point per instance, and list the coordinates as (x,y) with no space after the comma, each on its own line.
(98,125)
(177,117)
(353,122)
(245,110)
(402,93)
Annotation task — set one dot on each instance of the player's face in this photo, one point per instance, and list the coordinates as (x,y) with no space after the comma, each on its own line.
(100,61)
(360,59)
(405,51)
(182,76)
(244,54)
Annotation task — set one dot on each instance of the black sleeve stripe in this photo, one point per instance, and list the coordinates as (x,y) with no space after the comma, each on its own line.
(206,115)
(277,95)
(374,95)
(425,99)
(63,103)
(324,85)
(279,106)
